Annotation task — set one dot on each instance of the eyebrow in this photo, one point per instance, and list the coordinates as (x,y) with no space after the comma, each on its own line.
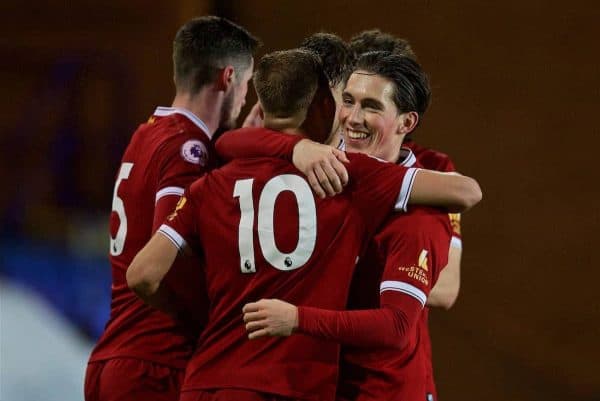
(368,102)
(372,103)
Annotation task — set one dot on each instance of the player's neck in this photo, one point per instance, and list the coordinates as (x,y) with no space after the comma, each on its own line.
(205,105)
(289,125)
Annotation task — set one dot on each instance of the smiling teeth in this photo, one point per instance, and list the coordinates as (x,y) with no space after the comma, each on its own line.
(357,135)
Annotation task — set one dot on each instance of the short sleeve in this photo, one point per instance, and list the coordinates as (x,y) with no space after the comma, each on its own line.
(182,160)
(379,187)
(416,249)
(181,225)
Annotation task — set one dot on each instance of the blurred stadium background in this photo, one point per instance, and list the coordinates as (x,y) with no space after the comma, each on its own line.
(515,97)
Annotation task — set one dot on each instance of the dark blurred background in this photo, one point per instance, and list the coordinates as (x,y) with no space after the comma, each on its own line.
(515,96)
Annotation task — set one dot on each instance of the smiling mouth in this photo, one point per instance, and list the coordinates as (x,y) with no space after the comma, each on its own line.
(357,135)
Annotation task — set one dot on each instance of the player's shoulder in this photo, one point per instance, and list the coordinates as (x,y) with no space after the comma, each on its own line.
(359,157)
(171,124)
(431,158)
(171,131)
(362,163)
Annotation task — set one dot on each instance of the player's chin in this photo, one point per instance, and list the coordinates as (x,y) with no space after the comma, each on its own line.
(357,145)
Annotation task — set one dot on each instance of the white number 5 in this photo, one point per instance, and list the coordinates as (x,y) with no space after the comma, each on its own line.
(307,215)
(118,243)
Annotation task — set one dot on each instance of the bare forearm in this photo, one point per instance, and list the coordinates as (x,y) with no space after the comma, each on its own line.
(455,192)
(446,289)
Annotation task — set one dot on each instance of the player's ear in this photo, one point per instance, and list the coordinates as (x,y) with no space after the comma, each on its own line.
(226,78)
(408,122)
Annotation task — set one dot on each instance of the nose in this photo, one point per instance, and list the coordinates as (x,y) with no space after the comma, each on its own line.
(355,116)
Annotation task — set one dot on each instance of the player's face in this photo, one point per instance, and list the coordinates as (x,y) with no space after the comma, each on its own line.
(236,98)
(369,118)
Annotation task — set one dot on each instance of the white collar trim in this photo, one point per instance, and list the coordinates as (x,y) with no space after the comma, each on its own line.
(408,157)
(167,111)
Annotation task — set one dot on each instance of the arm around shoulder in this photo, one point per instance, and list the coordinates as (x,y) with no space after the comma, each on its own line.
(457,193)
(149,267)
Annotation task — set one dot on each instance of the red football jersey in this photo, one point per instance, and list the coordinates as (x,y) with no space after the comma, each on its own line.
(405,256)
(438,161)
(264,235)
(411,249)
(434,160)
(164,156)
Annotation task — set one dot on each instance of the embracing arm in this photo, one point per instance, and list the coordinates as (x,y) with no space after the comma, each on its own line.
(321,164)
(445,291)
(383,327)
(454,192)
(387,326)
(147,270)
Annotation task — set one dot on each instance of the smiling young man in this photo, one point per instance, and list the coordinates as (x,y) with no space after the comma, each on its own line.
(446,290)
(289,243)
(383,101)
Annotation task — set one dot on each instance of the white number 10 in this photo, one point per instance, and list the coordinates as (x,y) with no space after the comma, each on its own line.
(307,223)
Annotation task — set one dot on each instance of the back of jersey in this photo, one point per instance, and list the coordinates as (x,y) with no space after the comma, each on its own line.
(265,235)
(154,167)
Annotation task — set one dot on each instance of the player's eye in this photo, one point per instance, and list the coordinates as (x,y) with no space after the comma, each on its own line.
(372,106)
(347,100)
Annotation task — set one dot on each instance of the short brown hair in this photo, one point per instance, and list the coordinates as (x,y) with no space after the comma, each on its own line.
(286,81)
(336,56)
(374,40)
(411,85)
(206,44)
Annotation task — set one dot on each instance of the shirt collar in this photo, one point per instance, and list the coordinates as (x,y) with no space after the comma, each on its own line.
(167,111)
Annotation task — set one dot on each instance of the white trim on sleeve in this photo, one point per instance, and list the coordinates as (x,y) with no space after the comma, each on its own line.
(405,189)
(173,236)
(404,288)
(178,191)
(456,242)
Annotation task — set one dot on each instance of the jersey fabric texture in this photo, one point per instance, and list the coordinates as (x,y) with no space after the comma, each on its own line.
(438,161)
(405,258)
(125,379)
(164,156)
(264,235)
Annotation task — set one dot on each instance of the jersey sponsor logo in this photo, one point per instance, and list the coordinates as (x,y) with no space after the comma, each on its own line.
(194,152)
(179,206)
(455,222)
(418,272)
(423,260)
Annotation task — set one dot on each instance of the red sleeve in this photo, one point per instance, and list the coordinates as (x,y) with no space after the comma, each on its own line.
(385,327)
(446,165)
(256,142)
(180,226)
(183,159)
(380,183)
(416,246)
